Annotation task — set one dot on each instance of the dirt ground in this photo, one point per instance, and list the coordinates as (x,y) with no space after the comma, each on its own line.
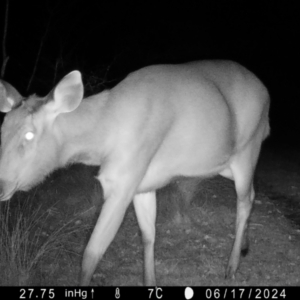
(186,253)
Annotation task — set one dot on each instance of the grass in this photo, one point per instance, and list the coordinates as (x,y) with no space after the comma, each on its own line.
(26,244)
(44,232)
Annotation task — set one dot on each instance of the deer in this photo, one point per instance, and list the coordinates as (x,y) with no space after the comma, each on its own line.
(196,119)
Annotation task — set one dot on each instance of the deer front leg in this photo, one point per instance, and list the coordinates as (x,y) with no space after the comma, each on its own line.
(145,209)
(118,196)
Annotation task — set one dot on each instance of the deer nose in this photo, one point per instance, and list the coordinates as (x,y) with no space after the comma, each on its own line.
(2,190)
(1,187)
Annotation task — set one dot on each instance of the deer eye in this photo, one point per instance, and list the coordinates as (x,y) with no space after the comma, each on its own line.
(29,136)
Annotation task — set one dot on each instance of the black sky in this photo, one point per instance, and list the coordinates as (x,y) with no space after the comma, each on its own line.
(109,40)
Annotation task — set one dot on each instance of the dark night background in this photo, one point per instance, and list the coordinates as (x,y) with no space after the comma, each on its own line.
(47,39)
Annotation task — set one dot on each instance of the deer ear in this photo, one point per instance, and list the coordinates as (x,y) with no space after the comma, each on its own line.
(67,95)
(9,97)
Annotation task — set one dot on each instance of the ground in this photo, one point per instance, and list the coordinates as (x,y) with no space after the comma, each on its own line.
(186,253)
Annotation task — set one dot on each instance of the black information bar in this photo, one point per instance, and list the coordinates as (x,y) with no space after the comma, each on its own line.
(141,293)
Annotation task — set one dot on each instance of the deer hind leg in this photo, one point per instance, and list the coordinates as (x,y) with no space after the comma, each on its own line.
(242,171)
(145,208)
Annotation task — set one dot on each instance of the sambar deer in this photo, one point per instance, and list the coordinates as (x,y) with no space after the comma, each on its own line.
(163,121)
